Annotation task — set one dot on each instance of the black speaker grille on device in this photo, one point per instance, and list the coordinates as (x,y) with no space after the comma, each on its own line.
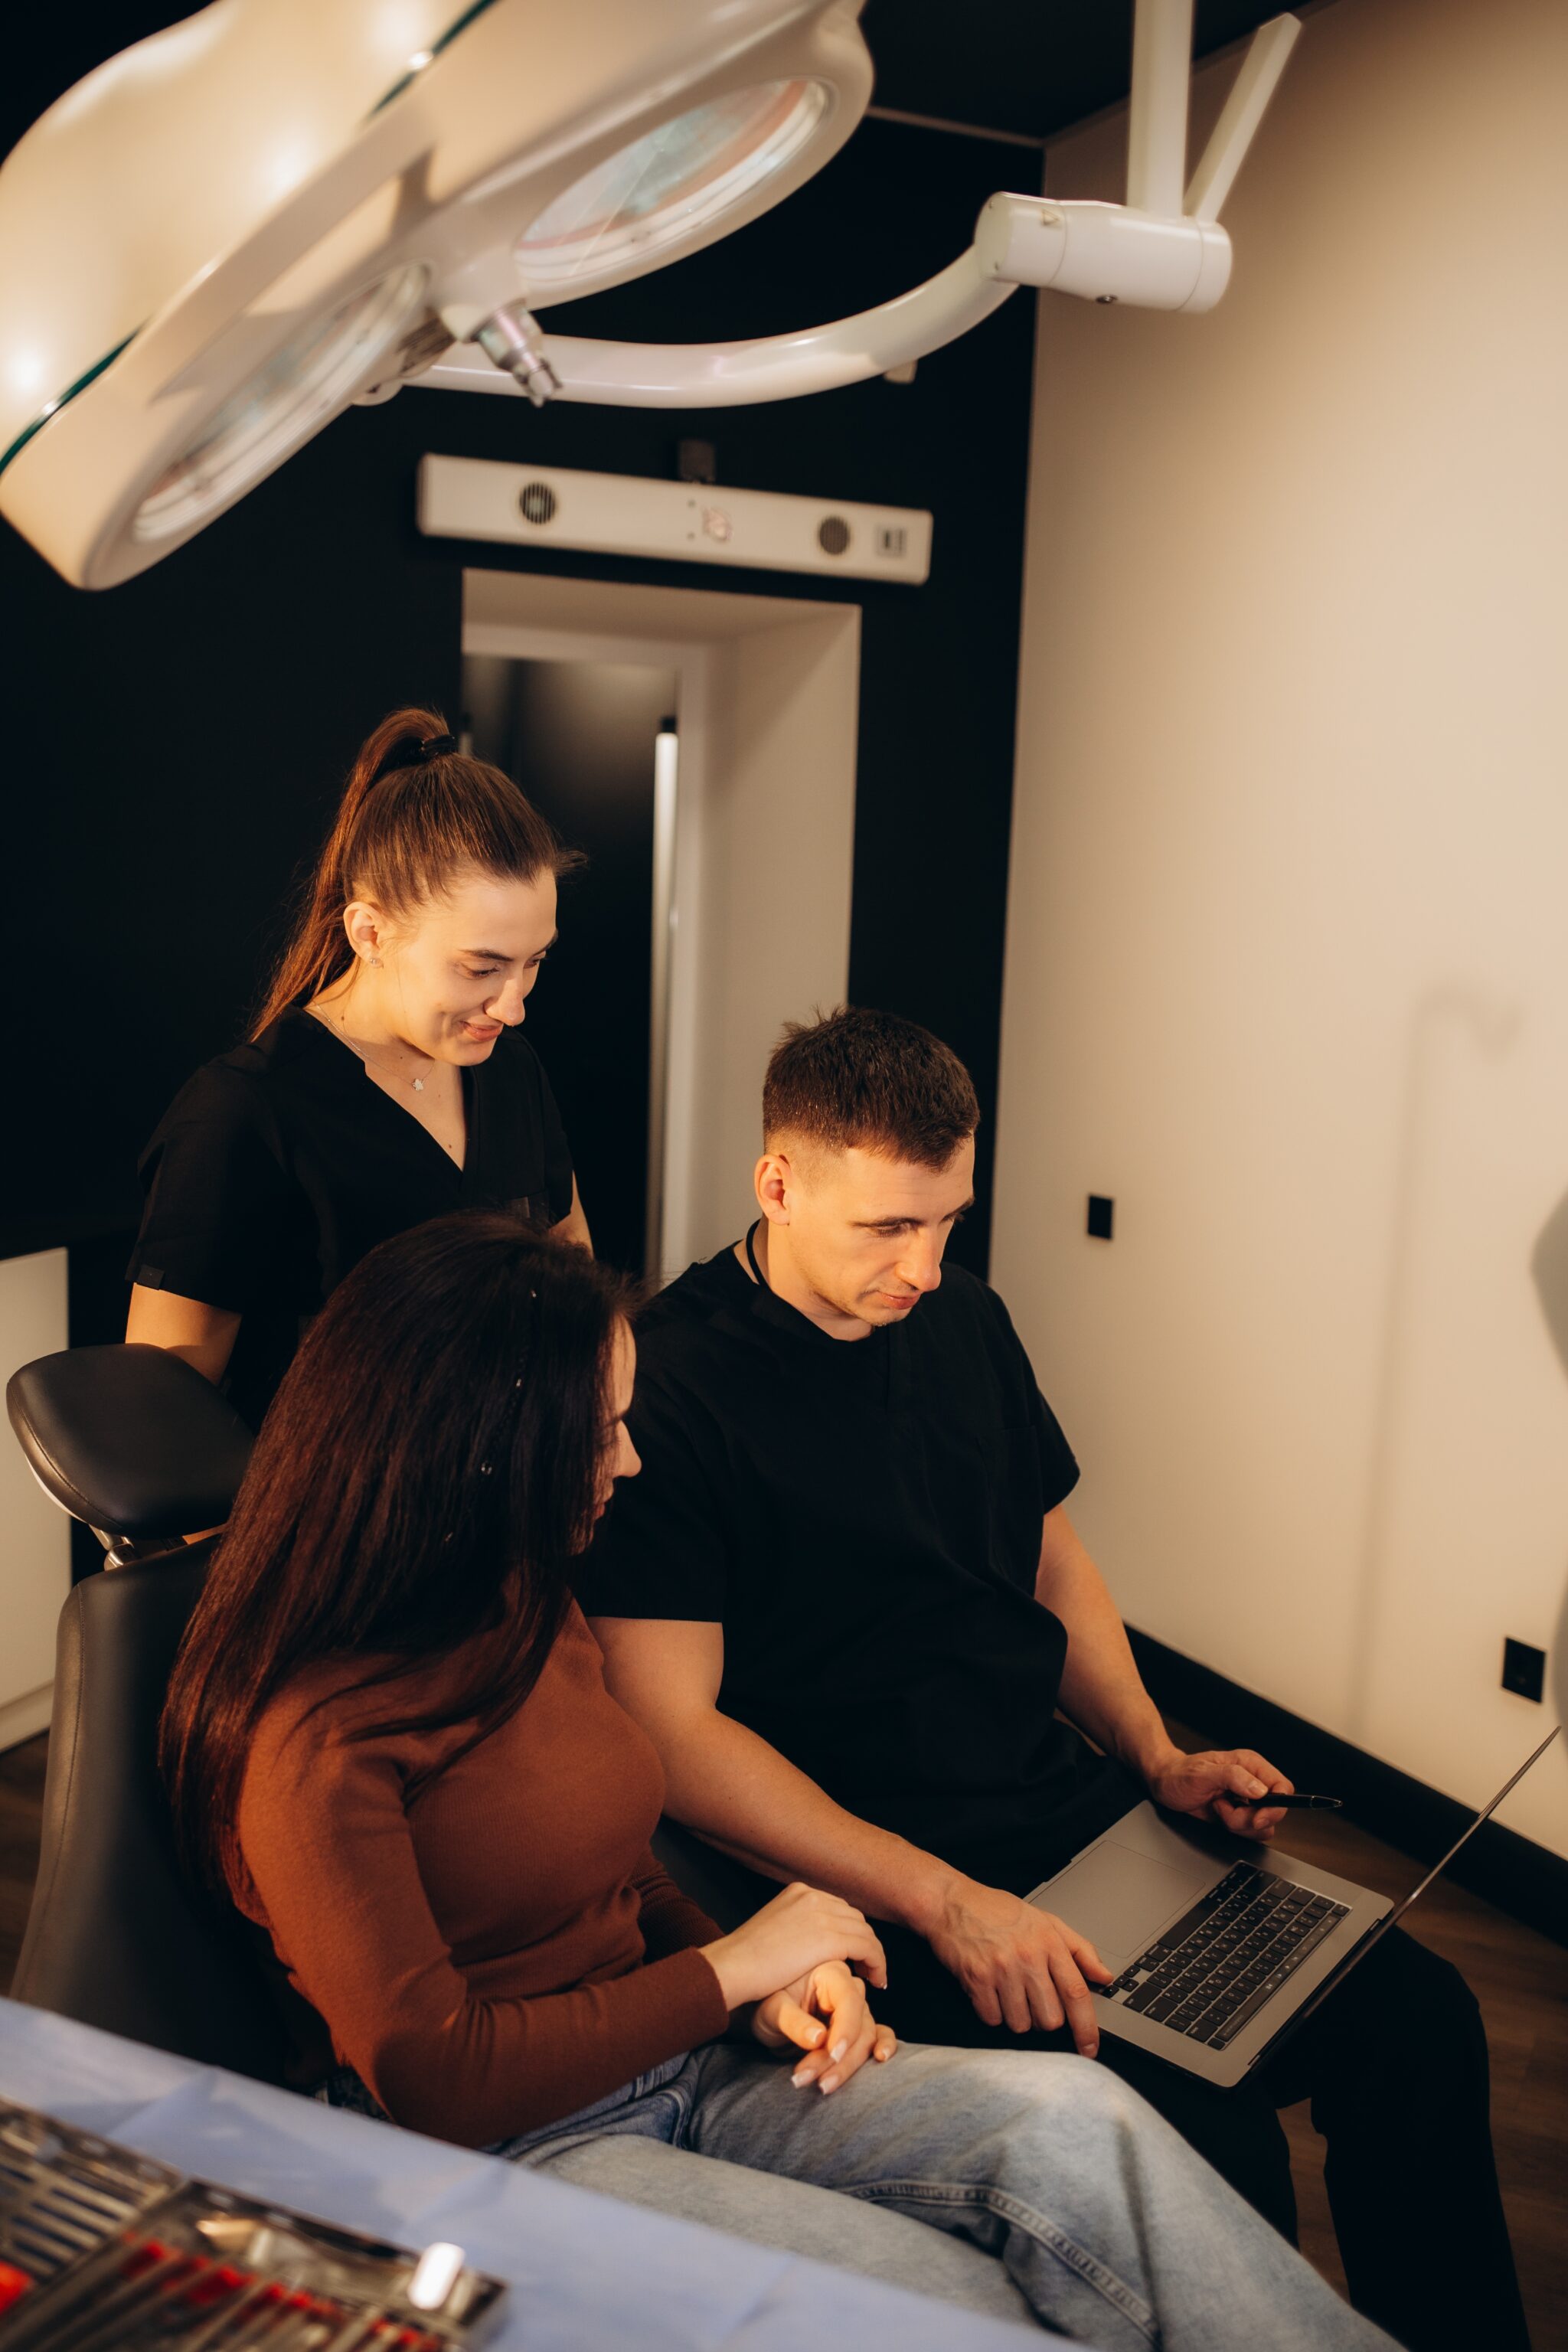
(833,534)
(536,502)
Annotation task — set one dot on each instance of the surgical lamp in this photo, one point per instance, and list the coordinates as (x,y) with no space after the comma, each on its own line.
(225,236)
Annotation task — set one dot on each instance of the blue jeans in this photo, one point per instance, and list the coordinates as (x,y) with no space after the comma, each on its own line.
(1106,2224)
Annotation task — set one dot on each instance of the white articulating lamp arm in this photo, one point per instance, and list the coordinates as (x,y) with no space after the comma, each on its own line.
(772,367)
(1156,252)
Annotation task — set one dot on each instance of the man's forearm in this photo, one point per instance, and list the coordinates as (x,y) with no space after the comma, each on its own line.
(745,1798)
(1101,1689)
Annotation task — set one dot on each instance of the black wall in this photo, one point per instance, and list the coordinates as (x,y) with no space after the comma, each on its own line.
(172,748)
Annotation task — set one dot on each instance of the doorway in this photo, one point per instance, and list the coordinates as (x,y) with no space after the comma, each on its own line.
(751,877)
(582,737)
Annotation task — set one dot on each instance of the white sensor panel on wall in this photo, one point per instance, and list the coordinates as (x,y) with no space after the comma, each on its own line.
(691,523)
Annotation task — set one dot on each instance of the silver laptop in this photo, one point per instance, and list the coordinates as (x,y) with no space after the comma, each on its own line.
(1221,1946)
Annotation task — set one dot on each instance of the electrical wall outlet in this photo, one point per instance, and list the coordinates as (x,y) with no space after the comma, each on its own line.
(1524,1670)
(1101,1217)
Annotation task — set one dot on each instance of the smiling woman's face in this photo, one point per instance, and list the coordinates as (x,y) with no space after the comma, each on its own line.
(457,970)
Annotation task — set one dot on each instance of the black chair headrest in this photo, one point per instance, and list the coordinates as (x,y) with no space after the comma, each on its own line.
(132,1440)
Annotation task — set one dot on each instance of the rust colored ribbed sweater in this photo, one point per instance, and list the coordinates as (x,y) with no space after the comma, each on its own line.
(504,1949)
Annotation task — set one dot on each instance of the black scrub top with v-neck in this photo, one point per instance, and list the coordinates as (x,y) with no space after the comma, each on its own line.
(863,1517)
(279,1165)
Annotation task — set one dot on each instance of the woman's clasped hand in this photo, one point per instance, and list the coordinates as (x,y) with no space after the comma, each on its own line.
(825,2014)
(821,2006)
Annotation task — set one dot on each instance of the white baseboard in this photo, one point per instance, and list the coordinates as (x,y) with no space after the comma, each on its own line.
(25,1718)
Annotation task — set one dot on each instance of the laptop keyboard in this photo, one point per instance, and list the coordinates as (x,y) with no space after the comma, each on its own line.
(1212,1970)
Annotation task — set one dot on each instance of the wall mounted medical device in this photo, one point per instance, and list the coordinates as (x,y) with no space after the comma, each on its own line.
(626,514)
(226,234)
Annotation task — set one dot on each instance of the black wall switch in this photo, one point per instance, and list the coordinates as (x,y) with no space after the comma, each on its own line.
(1102,1215)
(1523,1670)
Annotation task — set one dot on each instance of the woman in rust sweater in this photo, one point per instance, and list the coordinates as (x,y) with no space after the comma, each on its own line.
(387,1738)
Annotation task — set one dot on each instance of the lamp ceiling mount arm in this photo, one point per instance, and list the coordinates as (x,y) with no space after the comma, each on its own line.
(1164,249)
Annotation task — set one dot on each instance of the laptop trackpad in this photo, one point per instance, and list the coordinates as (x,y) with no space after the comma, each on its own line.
(1121,1900)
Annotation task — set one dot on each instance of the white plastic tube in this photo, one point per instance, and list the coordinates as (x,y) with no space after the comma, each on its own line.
(1233,135)
(1157,120)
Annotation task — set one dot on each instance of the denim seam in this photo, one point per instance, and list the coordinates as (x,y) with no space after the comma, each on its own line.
(1066,2250)
(685,2098)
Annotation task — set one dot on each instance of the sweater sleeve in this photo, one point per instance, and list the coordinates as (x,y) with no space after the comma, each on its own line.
(324,1838)
(669,1920)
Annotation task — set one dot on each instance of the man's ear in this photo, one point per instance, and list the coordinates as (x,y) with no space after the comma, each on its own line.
(772,1181)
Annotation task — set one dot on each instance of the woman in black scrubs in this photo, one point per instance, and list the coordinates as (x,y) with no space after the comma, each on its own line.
(385,1081)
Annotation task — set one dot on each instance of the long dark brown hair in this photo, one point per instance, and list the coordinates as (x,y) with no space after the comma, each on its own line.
(407,823)
(427,1469)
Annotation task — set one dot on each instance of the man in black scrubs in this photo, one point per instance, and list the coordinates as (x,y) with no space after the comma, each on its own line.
(845,1601)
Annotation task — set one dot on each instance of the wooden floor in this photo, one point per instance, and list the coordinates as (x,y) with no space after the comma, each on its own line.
(1519,1979)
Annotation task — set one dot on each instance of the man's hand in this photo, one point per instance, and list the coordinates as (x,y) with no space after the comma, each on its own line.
(1223,1785)
(1020,1966)
(825,2014)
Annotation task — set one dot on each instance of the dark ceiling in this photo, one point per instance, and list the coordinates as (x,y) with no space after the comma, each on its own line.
(1027,66)
(1024,66)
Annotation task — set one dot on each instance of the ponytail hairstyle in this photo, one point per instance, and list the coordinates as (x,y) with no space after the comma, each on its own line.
(427,1472)
(415,813)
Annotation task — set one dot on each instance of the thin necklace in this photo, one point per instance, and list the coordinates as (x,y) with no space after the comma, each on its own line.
(338,1030)
(451,1150)
(375,1062)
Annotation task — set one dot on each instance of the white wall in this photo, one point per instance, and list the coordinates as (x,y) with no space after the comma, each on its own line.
(35,1536)
(1288,961)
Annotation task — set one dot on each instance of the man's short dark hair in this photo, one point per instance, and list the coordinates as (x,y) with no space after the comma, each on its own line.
(858,1077)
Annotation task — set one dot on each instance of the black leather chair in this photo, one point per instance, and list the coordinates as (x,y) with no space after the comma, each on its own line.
(136,1444)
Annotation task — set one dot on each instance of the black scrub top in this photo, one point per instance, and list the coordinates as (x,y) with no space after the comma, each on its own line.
(278,1167)
(863,1517)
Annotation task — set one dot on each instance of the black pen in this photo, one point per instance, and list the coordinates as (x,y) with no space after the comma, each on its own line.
(1300,1801)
